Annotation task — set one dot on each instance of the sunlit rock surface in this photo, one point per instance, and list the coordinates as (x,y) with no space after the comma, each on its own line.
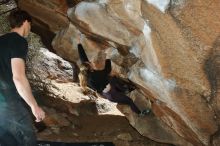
(72,116)
(169,49)
(51,77)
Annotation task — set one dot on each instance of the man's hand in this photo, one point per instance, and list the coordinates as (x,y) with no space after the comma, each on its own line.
(38,113)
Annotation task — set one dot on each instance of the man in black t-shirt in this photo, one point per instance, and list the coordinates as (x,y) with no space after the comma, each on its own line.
(15,92)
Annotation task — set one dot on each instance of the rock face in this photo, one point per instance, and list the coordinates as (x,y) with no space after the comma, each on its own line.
(52,81)
(169,49)
(70,115)
(51,14)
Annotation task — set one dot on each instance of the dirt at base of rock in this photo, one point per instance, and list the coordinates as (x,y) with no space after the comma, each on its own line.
(94,128)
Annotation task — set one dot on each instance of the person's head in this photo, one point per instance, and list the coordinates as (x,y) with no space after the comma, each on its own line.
(20,19)
(84,69)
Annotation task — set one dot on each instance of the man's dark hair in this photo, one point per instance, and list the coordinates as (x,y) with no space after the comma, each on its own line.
(18,17)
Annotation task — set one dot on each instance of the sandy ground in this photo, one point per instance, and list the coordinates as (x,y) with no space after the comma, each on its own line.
(96,128)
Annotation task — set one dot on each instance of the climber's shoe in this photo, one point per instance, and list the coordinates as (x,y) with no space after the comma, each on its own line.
(145,112)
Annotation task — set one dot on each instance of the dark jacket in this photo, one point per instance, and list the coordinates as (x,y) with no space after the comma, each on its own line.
(97,79)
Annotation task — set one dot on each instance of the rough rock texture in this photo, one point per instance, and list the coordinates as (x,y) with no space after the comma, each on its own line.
(169,50)
(213,71)
(50,13)
(92,128)
(70,115)
(51,77)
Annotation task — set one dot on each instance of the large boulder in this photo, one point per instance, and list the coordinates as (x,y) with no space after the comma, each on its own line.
(170,67)
(52,80)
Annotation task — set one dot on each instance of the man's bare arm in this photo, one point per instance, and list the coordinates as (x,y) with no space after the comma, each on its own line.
(23,87)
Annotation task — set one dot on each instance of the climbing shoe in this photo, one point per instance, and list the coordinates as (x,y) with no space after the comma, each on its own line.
(145,112)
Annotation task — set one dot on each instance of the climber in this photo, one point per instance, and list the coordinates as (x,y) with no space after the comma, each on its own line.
(98,79)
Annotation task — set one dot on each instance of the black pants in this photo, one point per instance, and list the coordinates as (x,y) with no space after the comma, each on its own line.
(16,127)
(116,96)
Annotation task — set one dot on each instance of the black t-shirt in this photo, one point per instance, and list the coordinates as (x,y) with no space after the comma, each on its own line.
(12,45)
(98,79)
